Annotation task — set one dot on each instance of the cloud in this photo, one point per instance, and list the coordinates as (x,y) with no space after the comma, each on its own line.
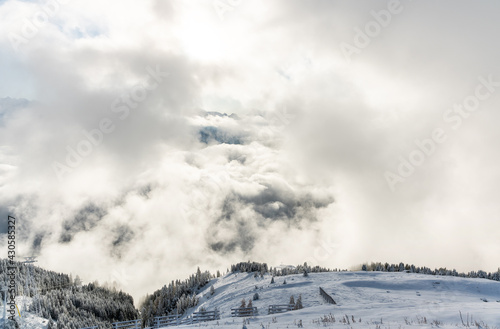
(254,139)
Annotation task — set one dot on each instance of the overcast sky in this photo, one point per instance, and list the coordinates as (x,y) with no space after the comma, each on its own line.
(141,139)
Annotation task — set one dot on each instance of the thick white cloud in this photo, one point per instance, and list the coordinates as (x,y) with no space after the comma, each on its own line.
(295,174)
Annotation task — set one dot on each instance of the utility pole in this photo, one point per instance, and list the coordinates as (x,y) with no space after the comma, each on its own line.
(28,261)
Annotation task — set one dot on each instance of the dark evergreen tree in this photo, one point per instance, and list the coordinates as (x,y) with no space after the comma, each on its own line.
(298,305)
(176,297)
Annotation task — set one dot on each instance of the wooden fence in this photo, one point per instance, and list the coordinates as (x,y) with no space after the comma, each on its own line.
(273,309)
(134,324)
(175,320)
(203,316)
(244,311)
(327,297)
(168,320)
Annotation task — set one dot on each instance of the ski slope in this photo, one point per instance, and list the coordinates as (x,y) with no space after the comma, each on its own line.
(381,300)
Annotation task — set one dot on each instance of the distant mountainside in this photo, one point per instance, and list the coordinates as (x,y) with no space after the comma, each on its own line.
(214,134)
(8,104)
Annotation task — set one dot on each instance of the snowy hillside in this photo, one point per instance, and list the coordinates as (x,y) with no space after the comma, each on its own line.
(28,320)
(380,300)
(32,321)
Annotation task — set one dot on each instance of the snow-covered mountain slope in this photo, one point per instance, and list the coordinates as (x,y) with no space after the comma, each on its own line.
(33,321)
(28,320)
(377,298)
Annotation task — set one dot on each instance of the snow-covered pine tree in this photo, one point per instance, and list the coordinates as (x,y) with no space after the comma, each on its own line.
(298,305)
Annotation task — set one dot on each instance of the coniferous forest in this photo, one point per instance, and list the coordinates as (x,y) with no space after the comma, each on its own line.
(66,302)
(173,298)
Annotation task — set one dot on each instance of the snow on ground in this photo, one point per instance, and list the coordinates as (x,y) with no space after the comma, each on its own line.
(27,319)
(381,300)
(32,321)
